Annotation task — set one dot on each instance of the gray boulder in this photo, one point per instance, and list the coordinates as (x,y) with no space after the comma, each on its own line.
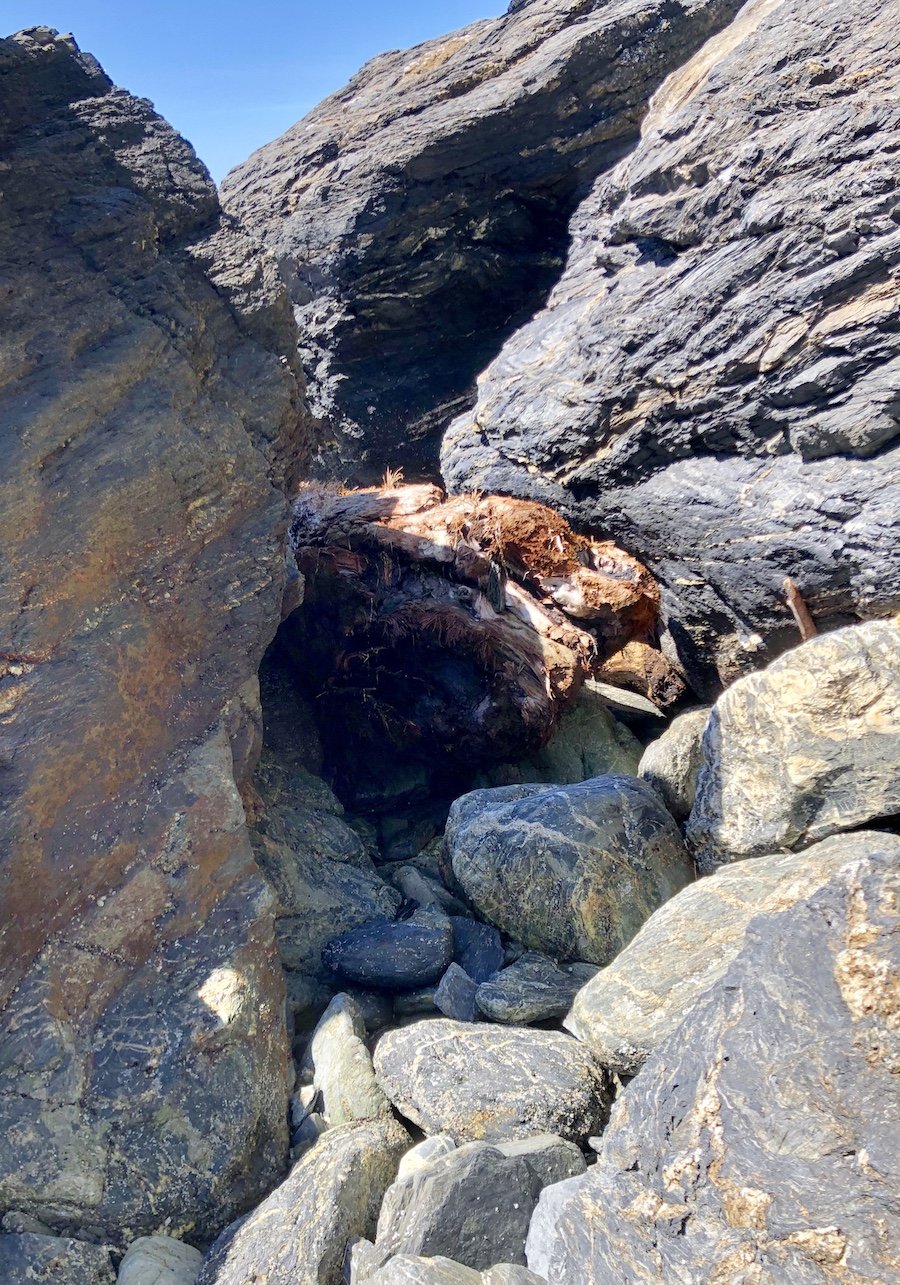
(159,1260)
(474,1204)
(573,871)
(479,1082)
(393,954)
(713,380)
(533,989)
(761,1140)
(299,1234)
(420,213)
(671,763)
(682,951)
(806,748)
(342,1066)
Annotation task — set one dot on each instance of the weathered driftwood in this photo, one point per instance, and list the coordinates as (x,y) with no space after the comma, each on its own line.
(460,626)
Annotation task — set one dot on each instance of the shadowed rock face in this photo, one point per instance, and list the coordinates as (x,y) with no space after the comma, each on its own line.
(713,381)
(421,213)
(149,409)
(760,1141)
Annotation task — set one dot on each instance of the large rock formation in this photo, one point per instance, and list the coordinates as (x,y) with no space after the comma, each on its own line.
(420,213)
(149,408)
(761,1140)
(714,380)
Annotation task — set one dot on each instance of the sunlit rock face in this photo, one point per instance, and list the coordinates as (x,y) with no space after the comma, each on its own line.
(149,407)
(713,382)
(420,214)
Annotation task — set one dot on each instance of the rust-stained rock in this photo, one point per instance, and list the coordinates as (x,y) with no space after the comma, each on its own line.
(149,415)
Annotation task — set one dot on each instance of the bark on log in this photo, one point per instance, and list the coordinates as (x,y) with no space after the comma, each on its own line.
(458,628)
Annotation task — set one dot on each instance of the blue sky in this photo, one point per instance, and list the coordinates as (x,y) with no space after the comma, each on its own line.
(229,75)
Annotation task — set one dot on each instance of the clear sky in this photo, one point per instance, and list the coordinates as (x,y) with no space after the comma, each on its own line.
(232,74)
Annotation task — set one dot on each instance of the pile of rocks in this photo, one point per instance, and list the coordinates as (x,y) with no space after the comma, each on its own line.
(717,1093)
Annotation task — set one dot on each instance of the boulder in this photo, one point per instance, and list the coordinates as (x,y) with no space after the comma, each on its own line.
(533,989)
(421,212)
(393,954)
(682,951)
(479,1082)
(159,1260)
(808,747)
(29,1259)
(300,1233)
(713,379)
(573,871)
(474,1204)
(671,763)
(760,1141)
(150,417)
(342,1066)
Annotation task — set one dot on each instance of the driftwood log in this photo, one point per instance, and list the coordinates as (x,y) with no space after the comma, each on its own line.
(454,630)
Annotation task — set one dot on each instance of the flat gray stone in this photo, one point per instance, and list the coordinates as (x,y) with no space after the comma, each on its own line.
(342,1066)
(485,1082)
(572,870)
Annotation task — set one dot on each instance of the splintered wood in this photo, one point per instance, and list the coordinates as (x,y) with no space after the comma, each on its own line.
(523,607)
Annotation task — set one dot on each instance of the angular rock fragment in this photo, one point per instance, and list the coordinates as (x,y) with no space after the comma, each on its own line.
(573,871)
(807,747)
(299,1234)
(761,1139)
(393,954)
(474,1204)
(455,995)
(685,947)
(479,1082)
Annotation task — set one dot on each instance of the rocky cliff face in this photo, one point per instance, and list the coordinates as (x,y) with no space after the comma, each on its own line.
(150,410)
(714,379)
(421,213)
